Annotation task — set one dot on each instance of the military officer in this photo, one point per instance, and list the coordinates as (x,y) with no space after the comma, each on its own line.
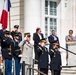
(6,48)
(43,57)
(16,53)
(27,52)
(55,64)
(16,31)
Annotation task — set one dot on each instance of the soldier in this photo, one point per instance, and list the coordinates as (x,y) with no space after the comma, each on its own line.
(43,57)
(55,64)
(16,53)
(6,48)
(16,31)
(27,53)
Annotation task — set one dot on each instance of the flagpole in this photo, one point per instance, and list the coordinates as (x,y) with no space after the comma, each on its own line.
(9,22)
(9,5)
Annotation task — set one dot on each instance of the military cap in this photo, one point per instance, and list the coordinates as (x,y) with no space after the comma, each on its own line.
(16,26)
(55,43)
(43,40)
(27,34)
(7,32)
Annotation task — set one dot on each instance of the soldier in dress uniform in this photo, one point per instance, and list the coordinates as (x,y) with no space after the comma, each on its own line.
(16,31)
(55,64)
(27,52)
(43,57)
(6,48)
(16,53)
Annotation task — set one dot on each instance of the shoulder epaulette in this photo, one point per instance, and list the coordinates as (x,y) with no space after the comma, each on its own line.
(40,48)
(52,50)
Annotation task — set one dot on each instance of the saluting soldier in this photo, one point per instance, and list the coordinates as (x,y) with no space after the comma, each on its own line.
(55,64)
(43,57)
(6,48)
(27,52)
(16,53)
(16,27)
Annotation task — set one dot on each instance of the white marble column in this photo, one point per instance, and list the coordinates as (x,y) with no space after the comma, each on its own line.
(32,15)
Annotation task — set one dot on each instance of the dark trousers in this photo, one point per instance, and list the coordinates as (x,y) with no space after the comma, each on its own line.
(17,66)
(36,54)
(44,71)
(55,72)
(8,67)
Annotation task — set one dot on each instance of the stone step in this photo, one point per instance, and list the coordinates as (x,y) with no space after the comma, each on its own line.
(64,71)
(69,71)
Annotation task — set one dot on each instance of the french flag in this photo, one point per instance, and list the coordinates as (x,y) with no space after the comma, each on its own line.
(4,16)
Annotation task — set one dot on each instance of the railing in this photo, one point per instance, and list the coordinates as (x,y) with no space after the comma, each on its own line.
(69,52)
(30,68)
(39,72)
(65,49)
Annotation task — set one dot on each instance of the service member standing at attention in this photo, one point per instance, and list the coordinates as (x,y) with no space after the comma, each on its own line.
(16,31)
(55,56)
(37,36)
(43,57)
(27,52)
(16,53)
(7,48)
(52,38)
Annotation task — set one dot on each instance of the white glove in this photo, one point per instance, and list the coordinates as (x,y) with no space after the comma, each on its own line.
(24,38)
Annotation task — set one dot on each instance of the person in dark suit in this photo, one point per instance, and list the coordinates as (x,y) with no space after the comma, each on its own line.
(16,53)
(52,38)
(36,38)
(7,48)
(43,57)
(16,31)
(55,56)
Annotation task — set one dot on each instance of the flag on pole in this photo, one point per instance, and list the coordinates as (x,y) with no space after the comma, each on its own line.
(4,16)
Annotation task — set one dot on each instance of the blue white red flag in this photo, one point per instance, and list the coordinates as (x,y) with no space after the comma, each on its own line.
(4,15)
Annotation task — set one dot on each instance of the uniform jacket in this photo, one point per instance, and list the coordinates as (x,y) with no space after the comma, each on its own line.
(42,57)
(51,41)
(16,50)
(36,38)
(1,35)
(55,59)
(27,53)
(5,47)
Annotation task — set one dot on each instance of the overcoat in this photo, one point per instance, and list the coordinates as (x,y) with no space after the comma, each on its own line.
(27,52)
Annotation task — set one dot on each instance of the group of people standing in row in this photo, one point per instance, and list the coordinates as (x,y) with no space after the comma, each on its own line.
(13,47)
(42,52)
(10,49)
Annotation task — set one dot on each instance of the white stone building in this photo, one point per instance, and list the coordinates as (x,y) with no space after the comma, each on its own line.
(47,14)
